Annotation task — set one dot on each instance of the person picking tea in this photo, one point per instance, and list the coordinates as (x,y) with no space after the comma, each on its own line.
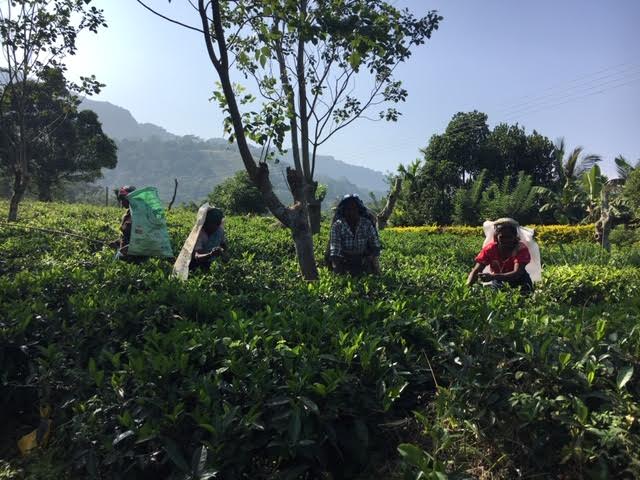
(506,256)
(211,242)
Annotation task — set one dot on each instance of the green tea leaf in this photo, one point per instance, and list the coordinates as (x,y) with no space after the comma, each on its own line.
(199,460)
(564,358)
(624,375)
(122,436)
(310,405)
(415,456)
(175,454)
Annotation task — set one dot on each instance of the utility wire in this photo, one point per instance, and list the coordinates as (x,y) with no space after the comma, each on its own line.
(571,99)
(516,113)
(579,81)
(514,109)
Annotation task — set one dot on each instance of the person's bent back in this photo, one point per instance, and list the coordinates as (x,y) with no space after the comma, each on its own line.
(507,258)
(211,242)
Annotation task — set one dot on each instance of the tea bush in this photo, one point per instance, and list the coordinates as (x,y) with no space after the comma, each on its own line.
(545,234)
(248,372)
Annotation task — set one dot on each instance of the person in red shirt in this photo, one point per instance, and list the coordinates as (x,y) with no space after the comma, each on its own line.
(506,258)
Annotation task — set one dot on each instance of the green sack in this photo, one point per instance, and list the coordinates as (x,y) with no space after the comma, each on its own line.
(149,234)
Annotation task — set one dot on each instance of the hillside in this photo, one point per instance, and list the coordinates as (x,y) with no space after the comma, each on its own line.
(118,123)
(149,155)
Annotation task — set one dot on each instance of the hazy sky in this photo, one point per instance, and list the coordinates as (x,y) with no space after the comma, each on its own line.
(566,68)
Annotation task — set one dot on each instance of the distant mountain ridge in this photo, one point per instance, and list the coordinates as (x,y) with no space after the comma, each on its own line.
(119,123)
(150,155)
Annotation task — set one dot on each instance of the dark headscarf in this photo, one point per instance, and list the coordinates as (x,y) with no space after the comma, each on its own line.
(214,215)
(362,209)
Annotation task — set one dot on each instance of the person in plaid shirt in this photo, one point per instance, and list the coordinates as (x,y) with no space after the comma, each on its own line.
(354,246)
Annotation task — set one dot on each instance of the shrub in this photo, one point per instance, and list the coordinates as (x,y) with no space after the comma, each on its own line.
(238,196)
(545,234)
(246,372)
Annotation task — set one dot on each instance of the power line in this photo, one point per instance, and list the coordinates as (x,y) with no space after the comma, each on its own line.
(578,94)
(586,92)
(587,78)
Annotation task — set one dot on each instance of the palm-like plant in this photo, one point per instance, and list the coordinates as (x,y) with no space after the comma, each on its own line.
(624,168)
(567,199)
(512,198)
(572,166)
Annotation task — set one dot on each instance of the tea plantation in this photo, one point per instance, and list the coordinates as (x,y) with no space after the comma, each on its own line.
(250,372)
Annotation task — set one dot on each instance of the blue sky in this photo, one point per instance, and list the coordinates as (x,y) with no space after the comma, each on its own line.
(565,68)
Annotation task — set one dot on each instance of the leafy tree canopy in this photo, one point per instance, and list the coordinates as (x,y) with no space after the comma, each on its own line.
(304,57)
(238,196)
(66,145)
(36,37)
(457,158)
(632,191)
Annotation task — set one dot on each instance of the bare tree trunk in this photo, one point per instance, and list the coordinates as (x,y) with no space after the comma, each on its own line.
(315,215)
(603,225)
(303,240)
(44,191)
(300,229)
(20,172)
(175,190)
(295,217)
(383,216)
(314,205)
(19,187)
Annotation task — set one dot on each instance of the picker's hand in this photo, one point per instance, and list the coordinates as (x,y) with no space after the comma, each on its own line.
(216,252)
(485,277)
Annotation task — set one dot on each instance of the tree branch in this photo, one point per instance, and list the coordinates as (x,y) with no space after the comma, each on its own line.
(383,217)
(302,105)
(286,85)
(168,19)
(175,190)
(207,36)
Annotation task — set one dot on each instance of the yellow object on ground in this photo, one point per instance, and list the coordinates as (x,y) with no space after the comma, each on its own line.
(40,436)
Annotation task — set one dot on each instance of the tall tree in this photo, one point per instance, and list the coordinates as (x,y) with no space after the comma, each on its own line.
(509,150)
(427,192)
(71,145)
(461,145)
(571,166)
(37,36)
(305,57)
(78,151)
(456,158)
